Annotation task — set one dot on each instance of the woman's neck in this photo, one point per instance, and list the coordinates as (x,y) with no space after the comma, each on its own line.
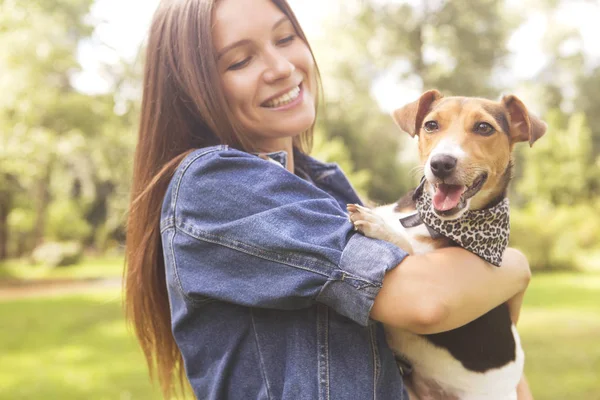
(286,145)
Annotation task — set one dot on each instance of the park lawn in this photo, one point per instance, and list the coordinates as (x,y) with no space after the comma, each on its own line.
(89,268)
(77,346)
(560,331)
(70,347)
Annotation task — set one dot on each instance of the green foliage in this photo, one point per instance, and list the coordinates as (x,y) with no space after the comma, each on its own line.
(561,169)
(557,237)
(334,150)
(109,267)
(21,221)
(588,102)
(57,254)
(66,222)
(55,142)
(445,44)
(558,222)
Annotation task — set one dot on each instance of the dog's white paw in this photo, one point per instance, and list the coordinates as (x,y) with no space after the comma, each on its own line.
(372,225)
(367,222)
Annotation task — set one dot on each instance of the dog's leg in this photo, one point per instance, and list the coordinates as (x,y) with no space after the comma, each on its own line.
(367,222)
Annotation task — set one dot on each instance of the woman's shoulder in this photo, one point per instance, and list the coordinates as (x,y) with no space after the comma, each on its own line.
(206,154)
(221,159)
(219,167)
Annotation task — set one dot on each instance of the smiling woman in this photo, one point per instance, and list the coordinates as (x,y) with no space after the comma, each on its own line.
(268,72)
(244,274)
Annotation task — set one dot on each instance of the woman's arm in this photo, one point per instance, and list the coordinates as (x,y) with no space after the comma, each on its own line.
(447,288)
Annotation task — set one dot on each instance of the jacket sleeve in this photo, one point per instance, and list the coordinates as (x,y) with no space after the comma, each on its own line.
(246,231)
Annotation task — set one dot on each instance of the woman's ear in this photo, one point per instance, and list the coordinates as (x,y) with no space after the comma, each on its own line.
(523,126)
(410,117)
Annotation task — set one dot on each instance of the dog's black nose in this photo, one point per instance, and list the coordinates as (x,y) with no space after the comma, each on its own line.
(442,165)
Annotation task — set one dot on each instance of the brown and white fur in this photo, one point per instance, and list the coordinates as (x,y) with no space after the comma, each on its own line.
(483,359)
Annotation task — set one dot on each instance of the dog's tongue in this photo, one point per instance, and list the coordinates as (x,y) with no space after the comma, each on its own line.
(447,196)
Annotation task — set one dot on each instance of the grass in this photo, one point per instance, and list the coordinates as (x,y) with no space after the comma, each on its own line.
(77,346)
(70,347)
(560,331)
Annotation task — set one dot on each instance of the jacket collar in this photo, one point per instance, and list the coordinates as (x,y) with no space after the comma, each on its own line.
(316,169)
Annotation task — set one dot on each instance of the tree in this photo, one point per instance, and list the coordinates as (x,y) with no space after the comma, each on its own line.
(53,137)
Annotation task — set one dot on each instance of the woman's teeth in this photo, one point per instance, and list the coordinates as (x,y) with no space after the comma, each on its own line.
(285,99)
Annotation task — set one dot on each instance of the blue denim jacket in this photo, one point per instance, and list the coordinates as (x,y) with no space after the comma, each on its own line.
(270,287)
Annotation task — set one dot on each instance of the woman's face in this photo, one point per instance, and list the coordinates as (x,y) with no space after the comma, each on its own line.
(267,71)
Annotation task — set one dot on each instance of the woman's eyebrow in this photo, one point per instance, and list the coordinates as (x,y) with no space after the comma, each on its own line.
(231,47)
(246,41)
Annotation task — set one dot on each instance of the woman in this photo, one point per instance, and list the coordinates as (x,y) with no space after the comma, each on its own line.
(242,265)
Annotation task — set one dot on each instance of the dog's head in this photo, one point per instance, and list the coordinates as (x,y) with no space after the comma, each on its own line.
(465,145)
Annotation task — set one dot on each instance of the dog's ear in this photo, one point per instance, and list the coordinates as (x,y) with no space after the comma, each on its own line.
(523,126)
(410,117)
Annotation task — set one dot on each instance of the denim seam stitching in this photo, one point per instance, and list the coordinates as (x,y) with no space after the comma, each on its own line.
(257,252)
(323,352)
(175,269)
(327,351)
(275,257)
(360,279)
(166,224)
(376,362)
(325,175)
(178,279)
(260,357)
(184,169)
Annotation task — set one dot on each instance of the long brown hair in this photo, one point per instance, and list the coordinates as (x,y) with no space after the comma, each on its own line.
(183,108)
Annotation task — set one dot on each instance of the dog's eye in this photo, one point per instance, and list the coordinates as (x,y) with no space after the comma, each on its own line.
(484,129)
(431,126)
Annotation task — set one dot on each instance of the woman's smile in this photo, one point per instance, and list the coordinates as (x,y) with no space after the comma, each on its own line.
(286,101)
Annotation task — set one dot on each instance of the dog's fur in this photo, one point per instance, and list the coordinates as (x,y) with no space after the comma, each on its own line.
(483,359)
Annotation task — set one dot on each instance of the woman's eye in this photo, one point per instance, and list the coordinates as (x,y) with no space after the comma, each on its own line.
(431,126)
(286,40)
(239,65)
(484,129)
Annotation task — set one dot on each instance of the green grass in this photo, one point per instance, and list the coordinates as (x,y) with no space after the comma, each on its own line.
(560,331)
(90,267)
(77,346)
(70,347)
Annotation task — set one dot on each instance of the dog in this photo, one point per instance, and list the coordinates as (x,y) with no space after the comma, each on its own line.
(465,148)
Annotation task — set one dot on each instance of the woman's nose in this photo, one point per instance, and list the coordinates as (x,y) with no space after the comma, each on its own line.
(278,66)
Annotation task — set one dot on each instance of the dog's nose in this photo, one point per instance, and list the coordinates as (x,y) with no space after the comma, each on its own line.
(442,165)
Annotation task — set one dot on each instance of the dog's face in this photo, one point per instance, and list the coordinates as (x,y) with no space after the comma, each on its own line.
(465,146)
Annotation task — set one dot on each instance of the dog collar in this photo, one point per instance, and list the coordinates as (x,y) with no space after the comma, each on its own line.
(482,232)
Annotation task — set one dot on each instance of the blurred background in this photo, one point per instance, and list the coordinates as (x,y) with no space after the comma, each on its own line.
(70,86)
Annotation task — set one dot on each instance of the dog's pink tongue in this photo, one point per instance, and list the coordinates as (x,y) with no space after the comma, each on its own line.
(447,196)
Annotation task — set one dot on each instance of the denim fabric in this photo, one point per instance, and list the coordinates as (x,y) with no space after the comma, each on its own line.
(270,287)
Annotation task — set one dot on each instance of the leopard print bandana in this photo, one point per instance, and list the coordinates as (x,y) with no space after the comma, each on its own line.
(482,232)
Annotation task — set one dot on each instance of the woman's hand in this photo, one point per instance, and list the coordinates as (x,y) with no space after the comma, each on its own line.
(448,288)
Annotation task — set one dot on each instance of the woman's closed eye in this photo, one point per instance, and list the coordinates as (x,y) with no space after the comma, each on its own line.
(239,65)
(286,40)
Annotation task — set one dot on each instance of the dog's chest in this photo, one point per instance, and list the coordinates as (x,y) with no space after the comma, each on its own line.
(481,360)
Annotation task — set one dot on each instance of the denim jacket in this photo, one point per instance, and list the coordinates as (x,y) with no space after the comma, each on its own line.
(270,288)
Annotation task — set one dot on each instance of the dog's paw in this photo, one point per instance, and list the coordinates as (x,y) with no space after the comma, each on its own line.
(367,222)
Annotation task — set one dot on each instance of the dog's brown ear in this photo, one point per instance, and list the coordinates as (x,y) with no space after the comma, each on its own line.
(523,126)
(410,117)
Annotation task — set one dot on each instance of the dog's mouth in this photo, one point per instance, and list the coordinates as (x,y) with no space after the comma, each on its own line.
(449,199)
